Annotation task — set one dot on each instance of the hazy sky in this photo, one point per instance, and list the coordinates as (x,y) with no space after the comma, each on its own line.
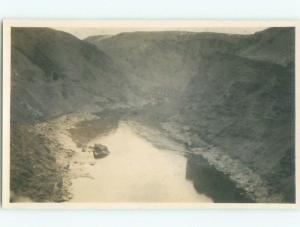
(111,30)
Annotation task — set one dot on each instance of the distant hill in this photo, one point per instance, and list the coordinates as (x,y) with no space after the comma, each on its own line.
(159,60)
(97,38)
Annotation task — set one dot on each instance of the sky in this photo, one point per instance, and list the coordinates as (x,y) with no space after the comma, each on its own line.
(83,32)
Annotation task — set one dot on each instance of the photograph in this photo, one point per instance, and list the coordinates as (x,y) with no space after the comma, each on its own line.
(149,114)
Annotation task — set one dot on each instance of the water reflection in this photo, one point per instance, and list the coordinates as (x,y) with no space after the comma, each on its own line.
(209,181)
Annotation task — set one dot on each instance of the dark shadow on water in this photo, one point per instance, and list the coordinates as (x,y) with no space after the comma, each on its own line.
(213,183)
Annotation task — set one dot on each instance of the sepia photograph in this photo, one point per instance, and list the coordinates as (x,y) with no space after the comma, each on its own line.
(138,114)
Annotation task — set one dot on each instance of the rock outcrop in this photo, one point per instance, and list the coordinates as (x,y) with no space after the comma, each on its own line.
(100,151)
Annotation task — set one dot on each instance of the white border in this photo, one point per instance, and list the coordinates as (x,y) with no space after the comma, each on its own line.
(7,24)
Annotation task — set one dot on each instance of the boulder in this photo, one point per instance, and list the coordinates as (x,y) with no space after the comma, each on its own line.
(100,151)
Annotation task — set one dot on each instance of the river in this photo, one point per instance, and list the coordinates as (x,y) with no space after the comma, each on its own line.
(135,171)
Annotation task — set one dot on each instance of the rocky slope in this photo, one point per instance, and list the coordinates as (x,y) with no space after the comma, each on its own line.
(248,113)
(36,171)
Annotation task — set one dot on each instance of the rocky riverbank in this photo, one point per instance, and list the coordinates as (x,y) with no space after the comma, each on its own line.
(170,135)
(55,163)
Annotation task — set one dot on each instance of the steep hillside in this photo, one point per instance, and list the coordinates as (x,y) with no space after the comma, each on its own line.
(55,73)
(245,108)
